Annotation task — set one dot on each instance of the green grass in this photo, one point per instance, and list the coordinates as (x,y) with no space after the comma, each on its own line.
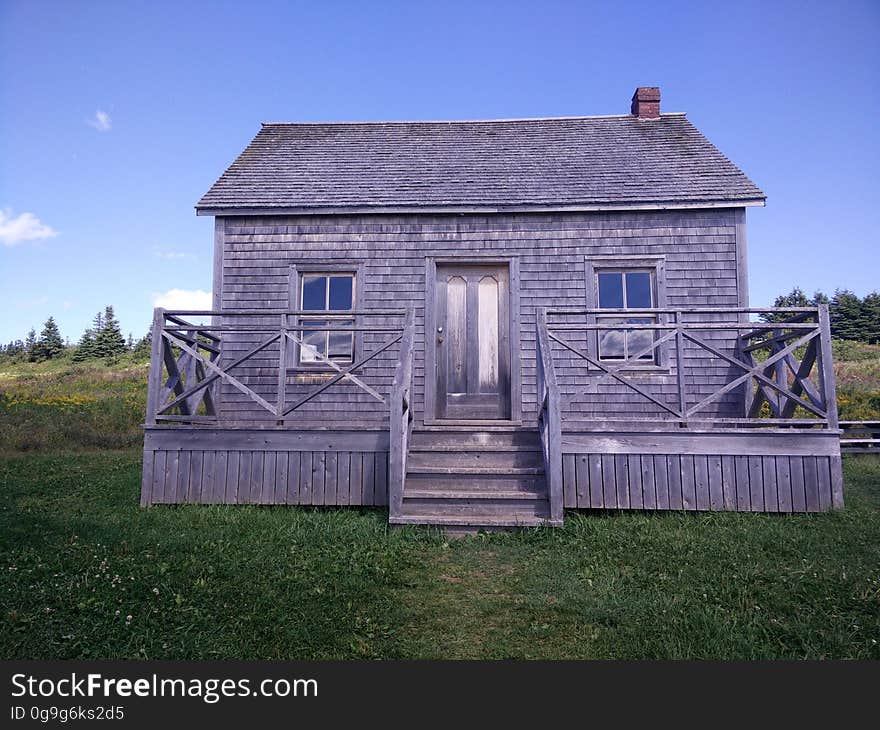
(86,573)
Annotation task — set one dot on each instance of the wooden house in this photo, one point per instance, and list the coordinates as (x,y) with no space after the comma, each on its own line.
(484,323)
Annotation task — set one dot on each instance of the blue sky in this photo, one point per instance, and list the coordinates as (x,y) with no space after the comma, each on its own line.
(116,116)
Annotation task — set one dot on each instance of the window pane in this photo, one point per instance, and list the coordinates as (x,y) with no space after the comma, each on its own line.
(314,292)
(611,344)
(638,290)
(638,340)
(314,341)
(341,345)
(610,290)
(341,289)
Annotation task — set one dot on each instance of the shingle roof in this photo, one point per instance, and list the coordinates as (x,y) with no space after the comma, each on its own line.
(503,164)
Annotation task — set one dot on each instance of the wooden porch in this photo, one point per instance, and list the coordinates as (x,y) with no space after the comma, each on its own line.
(707,410)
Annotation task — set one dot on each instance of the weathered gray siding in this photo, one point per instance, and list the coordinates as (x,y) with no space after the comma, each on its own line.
(700,270)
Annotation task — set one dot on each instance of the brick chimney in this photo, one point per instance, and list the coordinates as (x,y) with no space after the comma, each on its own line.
(646,102)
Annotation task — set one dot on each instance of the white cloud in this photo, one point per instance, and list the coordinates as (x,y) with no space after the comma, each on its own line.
(183,299)
(23,227)
(101,121)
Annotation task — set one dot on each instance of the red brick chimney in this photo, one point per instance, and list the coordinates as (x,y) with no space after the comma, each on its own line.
(646,102)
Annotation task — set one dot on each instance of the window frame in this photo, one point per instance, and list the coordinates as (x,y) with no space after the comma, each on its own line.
(298,272)
(656,267)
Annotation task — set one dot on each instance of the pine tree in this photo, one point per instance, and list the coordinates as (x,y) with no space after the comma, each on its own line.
(85,348)
(871,313)
(145,343)
(795,298)
(30,345)
(109,340)
(50,343)
(847,322)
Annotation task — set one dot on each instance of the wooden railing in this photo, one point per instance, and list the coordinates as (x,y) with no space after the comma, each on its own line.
(781,370)
(189,360)
(860,437)
(401,419)
(549,417)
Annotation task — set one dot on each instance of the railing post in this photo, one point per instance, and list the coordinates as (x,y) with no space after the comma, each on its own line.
(398,444)
(679,368)
(154,382)
(282,372)
(826,368)
(554,420)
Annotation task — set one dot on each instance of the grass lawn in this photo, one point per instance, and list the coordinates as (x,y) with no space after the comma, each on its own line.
(87,573)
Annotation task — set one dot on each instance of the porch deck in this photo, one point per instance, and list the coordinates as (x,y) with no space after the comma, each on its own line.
(708,410)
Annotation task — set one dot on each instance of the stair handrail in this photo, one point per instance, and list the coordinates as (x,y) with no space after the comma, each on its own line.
(549,416)
(401,418)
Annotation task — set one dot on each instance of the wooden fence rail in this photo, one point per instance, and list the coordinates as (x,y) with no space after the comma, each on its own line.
(401,419)
(780,369)
(860,437)
(190,360)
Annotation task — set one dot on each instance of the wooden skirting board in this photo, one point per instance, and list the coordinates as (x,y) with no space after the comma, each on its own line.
(773,471)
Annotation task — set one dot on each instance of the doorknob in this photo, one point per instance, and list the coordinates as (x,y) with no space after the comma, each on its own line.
(440,330)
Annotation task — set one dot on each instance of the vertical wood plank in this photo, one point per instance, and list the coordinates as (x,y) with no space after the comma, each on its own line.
(369,478)
(649,490)
(688,483)
(305,478)
(661,482)
(701,482)
(634,473)
(196,474)
(183,476)
(835,464)
(743,493)
(267,490)
(798,495)
(569,481)
(147,478)
(811,484)
(331,461)
(293,476)
(756,484)
(823,469)
(356,492)
(281,464)
(159,475)
(771,497)
(716,483)
(582,476)
(206,492)
(319,466)
(343,478)
(621,477)
(609,481)
(783,483)
(728,483)
(220,465)
(597,495)
(244,477)
(673,481)
(381,478)
(233,465)
(257,463)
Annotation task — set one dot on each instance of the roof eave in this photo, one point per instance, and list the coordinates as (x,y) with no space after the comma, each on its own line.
(259,210)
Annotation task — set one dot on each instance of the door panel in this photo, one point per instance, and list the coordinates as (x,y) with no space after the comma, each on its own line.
(472,309)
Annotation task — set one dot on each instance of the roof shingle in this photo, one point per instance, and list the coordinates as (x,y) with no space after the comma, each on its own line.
(499,164)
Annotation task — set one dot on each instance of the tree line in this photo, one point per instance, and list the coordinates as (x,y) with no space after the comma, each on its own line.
(102,340)
(852,317)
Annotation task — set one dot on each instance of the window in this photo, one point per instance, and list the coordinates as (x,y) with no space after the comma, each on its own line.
(326,292)
(620,283)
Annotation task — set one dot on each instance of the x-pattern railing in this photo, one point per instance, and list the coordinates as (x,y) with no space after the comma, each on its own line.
(776,360)
(189,361)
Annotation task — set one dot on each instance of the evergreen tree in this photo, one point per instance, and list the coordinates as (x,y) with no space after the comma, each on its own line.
(50,343)
(145,343)
(85,348)
(109,340)
(847,316)
(871,313)
(30,345)
(795,298)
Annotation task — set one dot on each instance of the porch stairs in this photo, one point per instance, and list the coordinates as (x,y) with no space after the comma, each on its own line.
(470,478)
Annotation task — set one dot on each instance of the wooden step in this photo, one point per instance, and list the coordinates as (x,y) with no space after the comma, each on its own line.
(466,460)
(428,493)
(476,523)
(466,471)
(475,439)
(482,482)
(511,508)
